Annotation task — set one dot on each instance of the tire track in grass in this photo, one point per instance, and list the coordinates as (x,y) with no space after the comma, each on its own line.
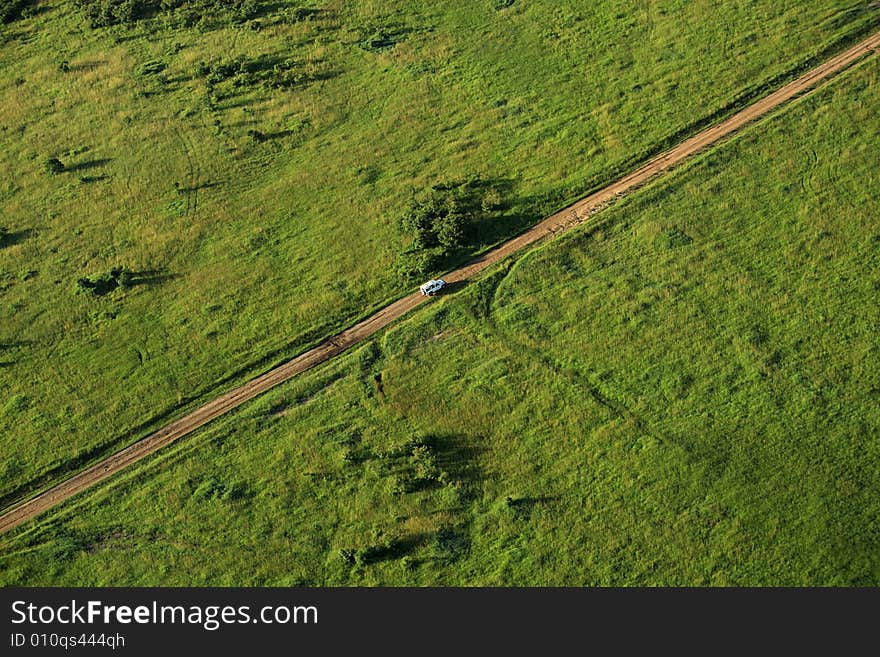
(563,220)
(190,192)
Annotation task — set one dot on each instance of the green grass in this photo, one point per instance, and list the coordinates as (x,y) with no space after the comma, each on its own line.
(243,252)
(683,394)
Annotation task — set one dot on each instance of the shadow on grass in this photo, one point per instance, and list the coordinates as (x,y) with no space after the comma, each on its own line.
(91,164)
(241,102)
(85,66)
(457,455)
(386,36)
(93,179)
(283,13)
(281,134)
(196,187)
(522,506)
(150,277)
(5,346)
(15,237)
(452,288)
(392,550)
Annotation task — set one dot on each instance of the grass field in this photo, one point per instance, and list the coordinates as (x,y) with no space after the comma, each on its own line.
(246,178)
(684,394)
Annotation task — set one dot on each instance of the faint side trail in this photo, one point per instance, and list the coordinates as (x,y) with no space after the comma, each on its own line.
(561,221)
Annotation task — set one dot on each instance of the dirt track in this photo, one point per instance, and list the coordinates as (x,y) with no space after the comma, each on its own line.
(561,221)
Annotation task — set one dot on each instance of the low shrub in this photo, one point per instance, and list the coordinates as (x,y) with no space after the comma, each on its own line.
(54,165)
(13,10)
(98,286)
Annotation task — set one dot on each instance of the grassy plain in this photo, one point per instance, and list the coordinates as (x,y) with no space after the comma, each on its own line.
(683,394)
(257,214)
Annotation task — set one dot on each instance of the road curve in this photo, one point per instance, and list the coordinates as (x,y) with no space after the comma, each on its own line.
(559,222)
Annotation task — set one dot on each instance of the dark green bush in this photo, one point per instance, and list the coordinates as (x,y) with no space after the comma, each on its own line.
(152,67)
(441,223)
(204,13)
(98,286)
(12,10)
(449,229)
(104,13)
(434,221)
(54,165)
(673,238)
(267,71)
(416,264)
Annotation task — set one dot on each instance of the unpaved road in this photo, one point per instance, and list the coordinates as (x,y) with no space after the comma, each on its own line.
(561,221)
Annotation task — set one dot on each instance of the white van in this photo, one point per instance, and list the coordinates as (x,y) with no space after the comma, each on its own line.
(432,287)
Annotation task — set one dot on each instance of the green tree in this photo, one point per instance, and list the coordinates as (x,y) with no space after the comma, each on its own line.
(449,230)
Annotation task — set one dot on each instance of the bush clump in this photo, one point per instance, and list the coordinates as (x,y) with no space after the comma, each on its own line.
(54,165)
(443,223)
(105,13)
(98,286)
(12,10)
(268,72)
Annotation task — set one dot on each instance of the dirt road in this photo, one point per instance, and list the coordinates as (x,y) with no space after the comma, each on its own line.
(561,221)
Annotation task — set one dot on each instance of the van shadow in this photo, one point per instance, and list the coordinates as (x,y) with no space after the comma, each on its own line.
(453,287)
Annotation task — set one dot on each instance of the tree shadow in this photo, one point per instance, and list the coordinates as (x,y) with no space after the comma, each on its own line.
(93,179)
(15,237)
(304,13)
(384,37)
(241,124)
(178,80)
(283,13)
(196,187)
(241,102)
(14,344)
(85,66)
(151,277)
(280,134)
(529,502)
(523,506)
(90,164)
(451,543)
(261,137)
(302,80)
(6,346)
(457,455)
(264,63)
